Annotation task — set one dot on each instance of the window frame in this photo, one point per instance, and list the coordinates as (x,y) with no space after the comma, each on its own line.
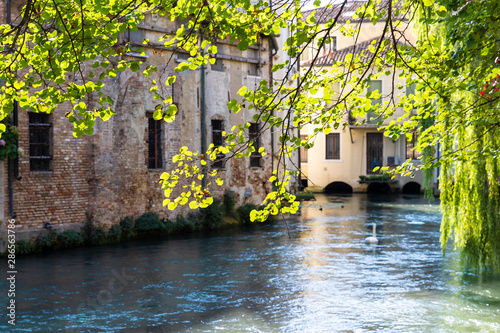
(374,102)
(329,48)
(158,145)
(216,132)
(254,135)
(39,125)
(412,153)
(335,156)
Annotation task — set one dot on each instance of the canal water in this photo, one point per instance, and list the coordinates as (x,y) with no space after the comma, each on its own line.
(310,274)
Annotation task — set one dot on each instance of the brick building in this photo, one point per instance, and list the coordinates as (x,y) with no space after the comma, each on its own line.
(63,180)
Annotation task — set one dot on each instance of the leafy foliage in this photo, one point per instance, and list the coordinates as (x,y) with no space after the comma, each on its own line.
(8,142)
(93,234)
(24,247)
(114,233)
(64,51)
(245,211)
(45,242)
(127,227)
(148,222)
(69,239)
(212,215)
(229,202)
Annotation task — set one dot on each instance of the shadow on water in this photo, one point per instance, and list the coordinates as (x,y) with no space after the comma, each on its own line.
(257,279)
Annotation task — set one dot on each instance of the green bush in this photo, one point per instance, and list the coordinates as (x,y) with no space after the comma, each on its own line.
(229,203)
(93,234)
(304,196)
(127,227)
(384,177)
(244,212)
(211,216)
(69,239)
(185,224)
(148,222)
(25,247)
(46,242)
(114,233)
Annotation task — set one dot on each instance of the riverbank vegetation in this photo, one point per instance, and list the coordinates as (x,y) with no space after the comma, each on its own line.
(219,215)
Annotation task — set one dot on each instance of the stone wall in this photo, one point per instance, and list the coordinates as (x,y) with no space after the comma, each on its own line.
(105,177)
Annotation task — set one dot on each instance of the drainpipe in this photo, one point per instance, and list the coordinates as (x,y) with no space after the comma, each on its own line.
(10,161)
(13,122)
(203,138)
(11,189)
(271,87)
(298,129)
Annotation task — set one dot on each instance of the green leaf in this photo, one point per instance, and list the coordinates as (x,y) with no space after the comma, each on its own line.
(243,45)
(134,67)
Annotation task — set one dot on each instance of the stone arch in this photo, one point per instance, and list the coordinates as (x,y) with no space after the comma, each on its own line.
(338,187)
(411,188)
(379,187)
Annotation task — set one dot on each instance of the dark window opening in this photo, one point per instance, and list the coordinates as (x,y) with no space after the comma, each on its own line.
(332,146)
(218,65)
(218,140)
(374,151)
(181,56)
(255,157)
(253,69)
(40,142)
(411,152)
(155,147)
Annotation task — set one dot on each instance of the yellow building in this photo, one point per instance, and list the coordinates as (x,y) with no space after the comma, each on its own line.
(342,160)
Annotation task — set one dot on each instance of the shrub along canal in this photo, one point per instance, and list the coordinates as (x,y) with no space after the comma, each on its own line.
(316,276)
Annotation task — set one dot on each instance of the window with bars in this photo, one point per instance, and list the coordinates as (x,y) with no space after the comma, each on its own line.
(218,140)
(218,64)
(255,157)
(332,146)
(410,145)
(40,142)
(253,68)
(303,151)
(155,146)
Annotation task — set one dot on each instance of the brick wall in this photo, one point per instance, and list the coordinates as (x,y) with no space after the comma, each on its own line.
(106,176)
(3,11)
(60,196)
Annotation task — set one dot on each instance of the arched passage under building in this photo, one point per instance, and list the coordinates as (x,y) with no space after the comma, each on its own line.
(338,187)
(411,188)
(379,187)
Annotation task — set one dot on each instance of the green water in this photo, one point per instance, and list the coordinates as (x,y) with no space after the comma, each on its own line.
(316,276)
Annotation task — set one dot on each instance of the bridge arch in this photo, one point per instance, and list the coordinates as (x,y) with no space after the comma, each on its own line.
(379,188)
(338,187)
(411,188)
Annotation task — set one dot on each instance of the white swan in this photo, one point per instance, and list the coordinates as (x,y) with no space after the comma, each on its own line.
(373,239)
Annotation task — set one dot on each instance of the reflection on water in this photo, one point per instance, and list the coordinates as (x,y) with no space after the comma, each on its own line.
(257,279)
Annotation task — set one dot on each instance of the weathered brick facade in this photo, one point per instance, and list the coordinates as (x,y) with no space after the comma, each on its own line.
(105,177)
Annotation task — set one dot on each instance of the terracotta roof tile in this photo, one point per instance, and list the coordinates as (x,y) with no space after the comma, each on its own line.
(323,14)
(357,49)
